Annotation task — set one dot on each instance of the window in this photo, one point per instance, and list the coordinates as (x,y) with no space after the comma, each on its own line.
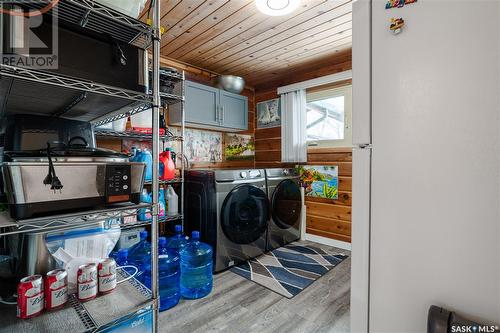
(329,117)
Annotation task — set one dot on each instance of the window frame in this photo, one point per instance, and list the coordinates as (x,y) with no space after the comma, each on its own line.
(319,93)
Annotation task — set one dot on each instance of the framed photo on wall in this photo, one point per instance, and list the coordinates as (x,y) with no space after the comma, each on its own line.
(269,113)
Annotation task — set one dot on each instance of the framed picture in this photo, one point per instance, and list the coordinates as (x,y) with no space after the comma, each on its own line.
(320,181)
(239,147)
(269,113)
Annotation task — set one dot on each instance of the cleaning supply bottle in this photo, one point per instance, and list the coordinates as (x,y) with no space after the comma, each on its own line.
(196,268)
(167,165)
(162,203)
(133,152)
(144,214)
(177,241)
(146,157)
(172,201)
(139,254)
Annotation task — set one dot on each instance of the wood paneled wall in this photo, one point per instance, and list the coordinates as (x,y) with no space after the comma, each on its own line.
(331,218)
(327,218)
(267,140)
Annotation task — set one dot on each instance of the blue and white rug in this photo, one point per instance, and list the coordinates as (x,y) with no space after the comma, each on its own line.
(290,269)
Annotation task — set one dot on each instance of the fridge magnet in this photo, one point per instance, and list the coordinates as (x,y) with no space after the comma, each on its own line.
(397,25)
(320,181)
(269,113)
(238,147)
(398,3)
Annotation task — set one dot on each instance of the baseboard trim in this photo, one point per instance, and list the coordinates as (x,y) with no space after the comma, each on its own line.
(328,241)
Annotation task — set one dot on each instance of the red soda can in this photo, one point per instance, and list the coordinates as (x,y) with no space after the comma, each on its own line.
(30,297)
(107,275)
(56,289)
(87,282)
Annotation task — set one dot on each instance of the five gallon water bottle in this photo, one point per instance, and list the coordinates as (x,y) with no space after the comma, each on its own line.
(162,245)
(168,279)
(196,268)
(139,254)
(177,241)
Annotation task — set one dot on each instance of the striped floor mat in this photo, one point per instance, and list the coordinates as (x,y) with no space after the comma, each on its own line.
(290,269)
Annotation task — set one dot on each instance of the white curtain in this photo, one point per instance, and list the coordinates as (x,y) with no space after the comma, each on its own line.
(293,127)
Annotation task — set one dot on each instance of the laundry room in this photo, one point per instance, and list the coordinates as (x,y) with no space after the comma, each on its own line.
(249,166)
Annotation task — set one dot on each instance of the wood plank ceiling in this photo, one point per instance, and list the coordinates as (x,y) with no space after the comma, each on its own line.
(233,37)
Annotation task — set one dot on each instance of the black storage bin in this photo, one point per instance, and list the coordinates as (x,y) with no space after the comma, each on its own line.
(86,55)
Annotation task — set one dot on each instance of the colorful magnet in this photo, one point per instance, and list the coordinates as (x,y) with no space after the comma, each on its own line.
(398,3)
(397,25)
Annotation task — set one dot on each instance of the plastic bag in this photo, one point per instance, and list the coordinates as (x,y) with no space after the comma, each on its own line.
(77,247)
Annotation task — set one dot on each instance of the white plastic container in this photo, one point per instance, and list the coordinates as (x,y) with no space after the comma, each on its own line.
(142,119)
(172,201)
(120,125)
(131,8)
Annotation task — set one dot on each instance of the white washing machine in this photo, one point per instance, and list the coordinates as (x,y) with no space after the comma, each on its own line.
(231,210)
(283,189)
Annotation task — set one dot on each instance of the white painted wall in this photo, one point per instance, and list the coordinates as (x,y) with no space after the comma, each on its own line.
(435,229)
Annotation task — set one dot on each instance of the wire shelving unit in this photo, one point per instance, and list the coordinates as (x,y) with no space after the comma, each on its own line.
(131,298)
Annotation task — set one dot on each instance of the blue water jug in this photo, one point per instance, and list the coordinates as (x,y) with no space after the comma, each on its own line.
(122,257)
(162,245)
(146,157)
(169,279)
(144,214)
(196,268)
(177,241)
(139,254)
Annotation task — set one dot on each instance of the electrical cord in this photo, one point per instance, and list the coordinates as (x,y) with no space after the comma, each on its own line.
(51,178)
(130,276)
(7,302)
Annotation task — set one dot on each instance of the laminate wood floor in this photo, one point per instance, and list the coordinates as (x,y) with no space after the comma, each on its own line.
(239,305)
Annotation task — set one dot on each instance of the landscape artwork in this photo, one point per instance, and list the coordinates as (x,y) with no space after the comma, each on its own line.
(269,113)
(320,181)
(239,147)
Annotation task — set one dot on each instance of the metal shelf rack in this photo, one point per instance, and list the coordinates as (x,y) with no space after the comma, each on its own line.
(134,136)
(89,317)
(128,299)
(93,16)
(68,221)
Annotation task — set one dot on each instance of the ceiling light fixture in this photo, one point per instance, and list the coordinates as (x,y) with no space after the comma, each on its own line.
(277,7)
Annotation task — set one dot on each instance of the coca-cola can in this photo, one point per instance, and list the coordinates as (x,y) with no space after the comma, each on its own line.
(87,282)
(56,289)
(30,296)
(107,275)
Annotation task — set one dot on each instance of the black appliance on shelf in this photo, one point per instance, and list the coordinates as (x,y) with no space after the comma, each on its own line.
(82,54)
(52,165)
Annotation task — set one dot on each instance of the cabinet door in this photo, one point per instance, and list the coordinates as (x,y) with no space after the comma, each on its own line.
(202,103)
(234,110)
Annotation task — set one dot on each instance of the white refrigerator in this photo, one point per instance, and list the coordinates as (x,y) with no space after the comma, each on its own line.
(426,163)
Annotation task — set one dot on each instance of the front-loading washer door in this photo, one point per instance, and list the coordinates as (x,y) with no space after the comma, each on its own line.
(286,204)
(244,214)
